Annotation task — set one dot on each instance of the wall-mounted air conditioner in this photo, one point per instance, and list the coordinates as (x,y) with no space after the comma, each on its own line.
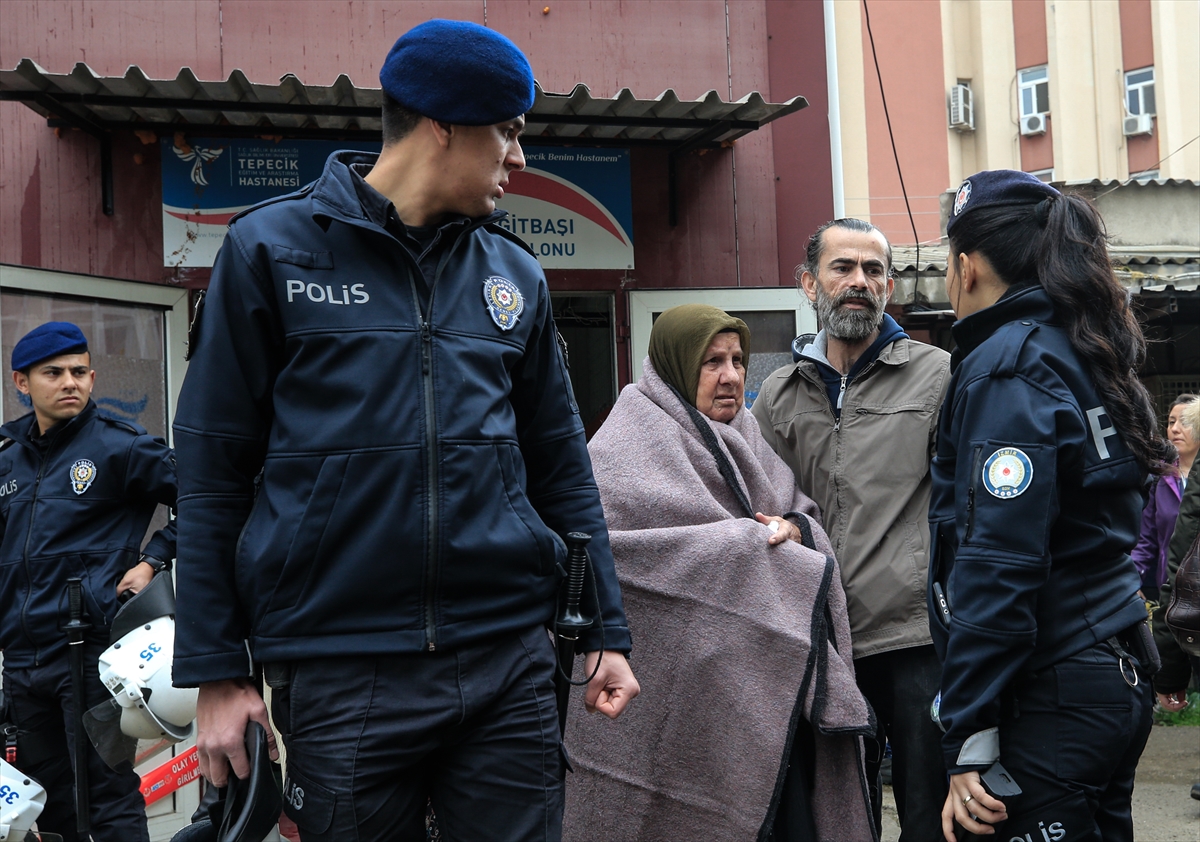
(1136,124)
(962,109)
(1032,124)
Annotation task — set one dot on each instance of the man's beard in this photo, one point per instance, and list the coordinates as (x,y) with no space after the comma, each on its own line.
(847,324)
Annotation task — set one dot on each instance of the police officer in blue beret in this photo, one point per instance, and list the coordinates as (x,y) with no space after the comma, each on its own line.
(379,455)
(1044,445)
(77,492)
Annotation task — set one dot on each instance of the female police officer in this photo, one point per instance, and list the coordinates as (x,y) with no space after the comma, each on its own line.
(1044,443)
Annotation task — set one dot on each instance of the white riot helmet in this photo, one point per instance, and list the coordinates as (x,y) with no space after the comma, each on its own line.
(136,669)
(21,802)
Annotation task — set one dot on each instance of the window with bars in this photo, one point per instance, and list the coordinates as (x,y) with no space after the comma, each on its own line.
(1034,89)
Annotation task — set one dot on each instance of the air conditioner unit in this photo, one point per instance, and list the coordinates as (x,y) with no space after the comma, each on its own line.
(1136,124)
(962,109)
(1033,124)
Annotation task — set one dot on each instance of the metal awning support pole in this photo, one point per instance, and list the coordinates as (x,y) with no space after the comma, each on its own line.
(106,175)
(695,141)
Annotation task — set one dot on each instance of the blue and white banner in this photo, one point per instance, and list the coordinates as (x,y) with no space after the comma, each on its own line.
(573,206)
(208,180)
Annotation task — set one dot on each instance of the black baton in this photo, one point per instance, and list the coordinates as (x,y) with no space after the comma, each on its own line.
(75,629)
(570,623)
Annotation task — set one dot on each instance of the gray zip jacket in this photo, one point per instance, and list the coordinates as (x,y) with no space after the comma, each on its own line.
(869,473)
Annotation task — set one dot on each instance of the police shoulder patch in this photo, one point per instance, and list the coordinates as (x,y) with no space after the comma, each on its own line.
(1007,473)
(504,301)
(83,473)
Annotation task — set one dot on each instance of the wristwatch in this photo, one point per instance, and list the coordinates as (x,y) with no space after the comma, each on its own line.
(156,564)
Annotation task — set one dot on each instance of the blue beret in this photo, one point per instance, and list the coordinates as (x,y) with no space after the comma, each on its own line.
(46,341)
(998,187)
(459,73)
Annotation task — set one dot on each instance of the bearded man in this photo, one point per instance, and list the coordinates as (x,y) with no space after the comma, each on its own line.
(855,418)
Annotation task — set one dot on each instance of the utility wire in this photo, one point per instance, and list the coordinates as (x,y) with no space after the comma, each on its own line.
(1134,176)
(892,138)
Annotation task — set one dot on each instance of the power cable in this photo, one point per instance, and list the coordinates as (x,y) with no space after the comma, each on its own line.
(892,138)
(1134,176)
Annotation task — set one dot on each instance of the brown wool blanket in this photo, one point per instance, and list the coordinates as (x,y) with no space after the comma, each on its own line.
(727,632)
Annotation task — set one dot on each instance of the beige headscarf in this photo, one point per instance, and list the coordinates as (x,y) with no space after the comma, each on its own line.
(681,336)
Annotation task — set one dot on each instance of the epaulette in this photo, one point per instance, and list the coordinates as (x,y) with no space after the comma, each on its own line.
(5,442)
(1012,337)
(504,232)
(132,427)
(296,194)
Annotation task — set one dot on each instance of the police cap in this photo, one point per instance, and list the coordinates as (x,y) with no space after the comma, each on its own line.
(46,341)
(458,72)
(998,187)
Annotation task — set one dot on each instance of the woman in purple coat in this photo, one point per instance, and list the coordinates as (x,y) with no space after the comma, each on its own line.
(1158,518)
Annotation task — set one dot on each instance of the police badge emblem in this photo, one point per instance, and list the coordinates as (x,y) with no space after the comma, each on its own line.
(504,301)
(1007,473)
(83,473)
(964,196)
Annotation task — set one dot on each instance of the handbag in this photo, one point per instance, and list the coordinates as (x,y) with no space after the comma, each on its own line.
(1183,611)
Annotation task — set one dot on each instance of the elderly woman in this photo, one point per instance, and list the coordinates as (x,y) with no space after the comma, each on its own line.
(749,721)
(1161,511)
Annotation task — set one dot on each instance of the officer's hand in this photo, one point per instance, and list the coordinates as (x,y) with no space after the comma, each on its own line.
(785,531)
(222,711)
(135,578)
(979,805)
(1173,701)
(613,687)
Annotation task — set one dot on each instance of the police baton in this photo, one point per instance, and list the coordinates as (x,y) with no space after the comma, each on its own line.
(75,629)
(570,623)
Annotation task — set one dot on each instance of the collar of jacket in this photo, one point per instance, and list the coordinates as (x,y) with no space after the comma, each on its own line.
(20,429)
(334,195)
(1028,303)
(894,353)
(1175,484)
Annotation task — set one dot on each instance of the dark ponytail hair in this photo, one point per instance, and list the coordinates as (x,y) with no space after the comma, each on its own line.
(1060,243)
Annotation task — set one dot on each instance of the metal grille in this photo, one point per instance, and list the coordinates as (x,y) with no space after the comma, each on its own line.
(1164,388)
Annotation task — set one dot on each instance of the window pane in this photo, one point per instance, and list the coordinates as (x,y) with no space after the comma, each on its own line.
(1026,101)
(1148,100)
(1134,101)
(1139,76)
(126,344)
(771,335)
(1043,98)
(1033,75)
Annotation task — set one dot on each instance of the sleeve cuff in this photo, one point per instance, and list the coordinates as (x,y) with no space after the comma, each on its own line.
(616,639)
(194,670)
(980,751)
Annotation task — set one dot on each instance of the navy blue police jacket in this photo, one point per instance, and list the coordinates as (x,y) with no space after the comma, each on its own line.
(373,461)
(1036,505)
(78,505)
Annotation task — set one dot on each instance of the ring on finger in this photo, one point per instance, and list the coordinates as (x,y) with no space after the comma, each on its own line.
(967,799)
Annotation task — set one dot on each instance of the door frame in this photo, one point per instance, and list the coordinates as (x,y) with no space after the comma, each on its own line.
(173,301)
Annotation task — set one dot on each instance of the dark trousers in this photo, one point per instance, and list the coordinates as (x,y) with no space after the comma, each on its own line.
(371,740)
(901,685)
(40,700)
(1071,736)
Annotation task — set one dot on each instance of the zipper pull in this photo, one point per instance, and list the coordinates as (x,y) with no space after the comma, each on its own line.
(425,342)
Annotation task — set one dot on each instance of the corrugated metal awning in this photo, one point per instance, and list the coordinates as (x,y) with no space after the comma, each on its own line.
(1139,269)
(238,107)
(342,110)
